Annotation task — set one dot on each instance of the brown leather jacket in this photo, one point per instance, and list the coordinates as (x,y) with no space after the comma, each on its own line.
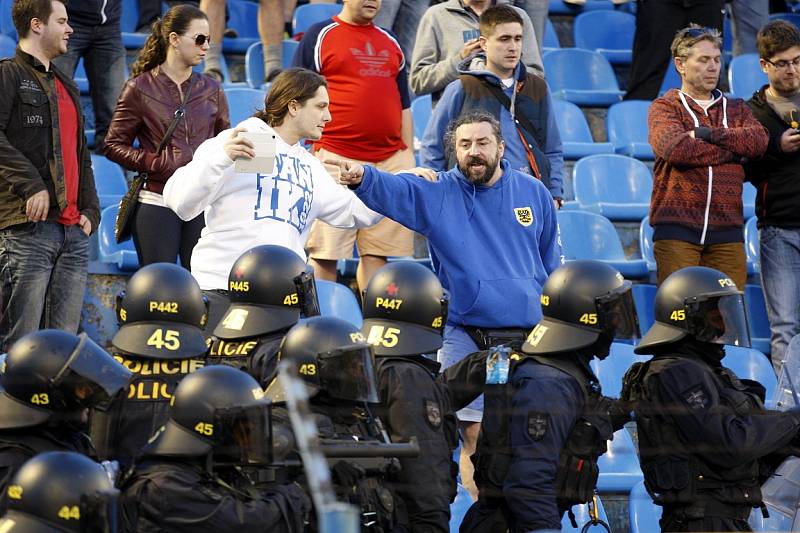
(144,111)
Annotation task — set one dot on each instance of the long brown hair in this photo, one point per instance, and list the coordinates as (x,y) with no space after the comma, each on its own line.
(154,52)
(296,84)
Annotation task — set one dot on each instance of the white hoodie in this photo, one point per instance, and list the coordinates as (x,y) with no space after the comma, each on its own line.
(247,210)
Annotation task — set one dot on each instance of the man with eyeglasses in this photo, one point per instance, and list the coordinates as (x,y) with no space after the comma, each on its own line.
(775,175)
(701,140)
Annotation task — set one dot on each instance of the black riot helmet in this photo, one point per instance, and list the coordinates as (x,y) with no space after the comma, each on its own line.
(217,410)
(52,371)
(581,301)
(331,356)
(405,309)
(269,288)
(61,491)
(162,313)
(698,302)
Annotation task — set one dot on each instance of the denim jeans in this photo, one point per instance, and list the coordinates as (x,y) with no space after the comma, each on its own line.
(402,17)
(43,269)
(104,61)
(456,346)
(780,279)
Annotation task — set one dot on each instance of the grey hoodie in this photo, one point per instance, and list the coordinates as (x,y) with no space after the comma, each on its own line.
(440,37)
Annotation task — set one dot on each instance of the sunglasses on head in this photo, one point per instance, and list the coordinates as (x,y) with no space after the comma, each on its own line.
(200,39)
(694,33)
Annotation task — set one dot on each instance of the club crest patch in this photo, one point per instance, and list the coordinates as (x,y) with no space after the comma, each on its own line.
(696,398)
(537,425)
(433,413)
(524,215)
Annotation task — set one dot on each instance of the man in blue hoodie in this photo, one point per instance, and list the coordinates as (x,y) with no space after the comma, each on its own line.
(495,80)
(493,236)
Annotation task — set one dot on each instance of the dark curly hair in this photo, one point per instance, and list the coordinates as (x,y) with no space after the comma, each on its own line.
(776,37)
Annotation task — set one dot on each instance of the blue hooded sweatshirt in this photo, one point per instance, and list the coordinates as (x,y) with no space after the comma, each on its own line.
(455,100)
(494,246)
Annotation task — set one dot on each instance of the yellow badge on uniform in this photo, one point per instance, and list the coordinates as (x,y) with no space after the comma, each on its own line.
(524,215)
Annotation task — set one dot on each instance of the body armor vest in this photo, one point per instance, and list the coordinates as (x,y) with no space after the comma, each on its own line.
(255,355)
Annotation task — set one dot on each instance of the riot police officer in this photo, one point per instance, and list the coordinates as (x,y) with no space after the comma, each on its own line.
(189,477)
(701,429)
(405,308)
(61,491)
(546,422)
(337,366)
(270,287)
(161,314)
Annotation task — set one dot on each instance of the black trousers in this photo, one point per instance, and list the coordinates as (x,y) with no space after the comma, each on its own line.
(657,22)
(161,237)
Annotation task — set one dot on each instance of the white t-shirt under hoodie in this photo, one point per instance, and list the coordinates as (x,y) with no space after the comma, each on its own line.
(247,210)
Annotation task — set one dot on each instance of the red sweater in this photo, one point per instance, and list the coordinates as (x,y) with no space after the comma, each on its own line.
(685,167)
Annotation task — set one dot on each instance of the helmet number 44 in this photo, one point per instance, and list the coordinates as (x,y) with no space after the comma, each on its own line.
(165,339)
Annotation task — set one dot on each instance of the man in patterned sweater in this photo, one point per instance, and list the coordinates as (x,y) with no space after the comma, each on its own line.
(700,138)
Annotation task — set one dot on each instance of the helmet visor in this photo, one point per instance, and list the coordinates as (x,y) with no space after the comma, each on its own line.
(307,293)
(619,313)
(91,377)
(243,435)
(349,373)
(720,320)
(99,512)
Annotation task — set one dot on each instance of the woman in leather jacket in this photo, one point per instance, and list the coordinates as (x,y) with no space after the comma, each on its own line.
(160,77)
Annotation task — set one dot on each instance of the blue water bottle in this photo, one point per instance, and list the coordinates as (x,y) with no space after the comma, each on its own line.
(497,364)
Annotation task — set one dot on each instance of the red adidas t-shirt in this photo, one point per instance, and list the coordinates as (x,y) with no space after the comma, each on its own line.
(367,85)
(68,133)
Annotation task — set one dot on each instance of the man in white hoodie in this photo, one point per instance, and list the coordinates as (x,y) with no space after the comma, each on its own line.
(244,210)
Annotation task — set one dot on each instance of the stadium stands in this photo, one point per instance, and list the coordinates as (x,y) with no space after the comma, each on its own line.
(608,32)
(243,102)
(748,363)
(643,513)
(615,186)
(751,246)
(243,16)
(576,137)
(7,46)
(745,76)
(338,301)
(626,124)
(122,255)
(558,7)
(254,62)
(109,180)
(421,109)
(307,15)
(749,200)
(582,516)
(583,77)
(757,318)
(550,41)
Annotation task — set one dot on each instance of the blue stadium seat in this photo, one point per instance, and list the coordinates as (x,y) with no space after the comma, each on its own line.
(243,16)
(745,76)
(243,102)
(550,41)
(608,32)
(254,61)
(619,466)
(749,200)
(626,124)
(643,513)
(339,301)
(757,318)
(558,7)
(794,18)
(615,186)
(748,363)
(581,76)
(129,21)
(80,78)
(582,517)
(8,46)
(109,179)
(122,255)
(644,296)
(591,236)
(672,79)
(576,137)
(646,243)
(421,108)
(751,247)
(307,15)
(6,22)
(459,508)
(612,369)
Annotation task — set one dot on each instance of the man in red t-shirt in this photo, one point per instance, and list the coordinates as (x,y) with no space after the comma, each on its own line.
(371,123)
(48,202)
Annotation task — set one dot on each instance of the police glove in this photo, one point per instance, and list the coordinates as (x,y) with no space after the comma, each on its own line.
(346,474)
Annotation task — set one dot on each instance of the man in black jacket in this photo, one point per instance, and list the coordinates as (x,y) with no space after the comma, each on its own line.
(48,202)
(775,176)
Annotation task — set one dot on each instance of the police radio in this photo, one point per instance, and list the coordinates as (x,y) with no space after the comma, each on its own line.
(307,293)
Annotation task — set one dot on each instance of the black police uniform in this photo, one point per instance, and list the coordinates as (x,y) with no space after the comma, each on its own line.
(702,431)
(160,341)
(190,477)
(404,312)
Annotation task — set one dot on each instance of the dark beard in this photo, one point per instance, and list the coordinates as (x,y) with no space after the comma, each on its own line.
(483,179)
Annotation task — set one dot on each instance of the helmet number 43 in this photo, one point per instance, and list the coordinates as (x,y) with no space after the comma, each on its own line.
(165,339)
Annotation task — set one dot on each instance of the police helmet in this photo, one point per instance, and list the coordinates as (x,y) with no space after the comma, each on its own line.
(269,287)
(162,313)
(61,491)
(217,410)
(405,309)
(580,301)
(330,355)
(698,302)
(52,371)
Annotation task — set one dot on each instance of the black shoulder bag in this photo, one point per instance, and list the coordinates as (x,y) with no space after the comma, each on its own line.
(129,202)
